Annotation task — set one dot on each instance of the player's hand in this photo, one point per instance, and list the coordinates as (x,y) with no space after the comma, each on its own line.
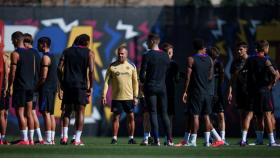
(135,101)
(60,94)
(184,98)
(229,98)
(9,92)
(4,94)
(103,101)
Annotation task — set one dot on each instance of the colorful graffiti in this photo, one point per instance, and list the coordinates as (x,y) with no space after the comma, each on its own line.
(109,28)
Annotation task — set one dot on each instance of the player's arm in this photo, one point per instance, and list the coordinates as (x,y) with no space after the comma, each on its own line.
(144,64)
(90,72)
(105,87)
(190,62)
(6,73)
(46,61)
(135,86)
(211,70)
(272,71)
(60,70)
(14,61)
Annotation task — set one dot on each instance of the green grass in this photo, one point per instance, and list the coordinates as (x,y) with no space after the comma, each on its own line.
(101,148)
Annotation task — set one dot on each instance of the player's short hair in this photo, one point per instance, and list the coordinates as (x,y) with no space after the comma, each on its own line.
(198,44)
(27,38)
(213,52)
(241,44)
(17,35)
(154,37)
(83,40)
(166,46)
(45,40)
(121,47)
(261,45)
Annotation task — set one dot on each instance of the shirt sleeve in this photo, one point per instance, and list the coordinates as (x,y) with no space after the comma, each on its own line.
(142,75)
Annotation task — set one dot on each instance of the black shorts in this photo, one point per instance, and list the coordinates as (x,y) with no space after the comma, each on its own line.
(171,105)
(75,96)
(46,102)
(218,104)
(21,97)
(263,101)
(35,100)
(142,105)
(243,101)
(200,104)
(118,106)
(4,102)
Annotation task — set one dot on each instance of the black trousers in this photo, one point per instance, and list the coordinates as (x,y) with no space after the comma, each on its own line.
(157,105)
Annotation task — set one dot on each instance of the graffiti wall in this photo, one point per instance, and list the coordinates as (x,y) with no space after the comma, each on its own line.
(111,27)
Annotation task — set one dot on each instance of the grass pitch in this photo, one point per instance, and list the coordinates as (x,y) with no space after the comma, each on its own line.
(101,148)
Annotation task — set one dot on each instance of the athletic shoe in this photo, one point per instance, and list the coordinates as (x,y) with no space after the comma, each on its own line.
(155,144)
(191,144)
(182,143)
(31,142)
(39,142)
(256,143)
(273,145)
(63,141)
(243,144)
(80,143)
(144,142)
(48,142)
(114,141)
(72,141)
(218,143)
(207,144)
(131,141)
(22,142)
(1,142)
(169,143)
(5,142)
(226,143)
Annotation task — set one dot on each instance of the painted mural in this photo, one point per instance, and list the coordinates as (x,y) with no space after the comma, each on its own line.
(111,27)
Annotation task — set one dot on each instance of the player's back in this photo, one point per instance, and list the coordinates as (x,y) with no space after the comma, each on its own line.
(25,72)
(75,67)
(201,68)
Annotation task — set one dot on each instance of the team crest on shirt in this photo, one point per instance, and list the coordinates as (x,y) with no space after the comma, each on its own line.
(127,67)
(117,73)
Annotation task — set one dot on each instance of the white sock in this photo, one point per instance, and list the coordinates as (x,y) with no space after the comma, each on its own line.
(48,136)
(244,136)
(3,137)
(206,137)
(187,136)
(223,135)
(23,135)
(193,138)
(0,135)
(31,135)
(115,137)
(39,134)
(52,135)
(65,132)
(271,138)
(216,135)
(146,135)
(78,136)
(74,137)
(130,137)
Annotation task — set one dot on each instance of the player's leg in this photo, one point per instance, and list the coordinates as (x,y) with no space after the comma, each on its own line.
(79,122)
